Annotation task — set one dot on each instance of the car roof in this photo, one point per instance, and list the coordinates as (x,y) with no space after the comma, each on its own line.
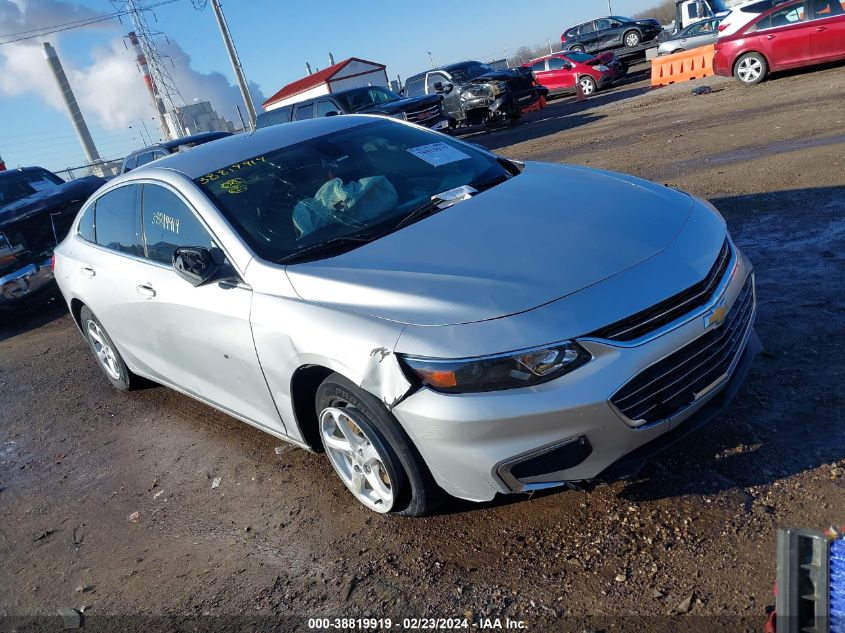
(209,157)
(22,170)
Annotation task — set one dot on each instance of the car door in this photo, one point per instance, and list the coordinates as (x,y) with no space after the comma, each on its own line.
(827,35)
(200,337)
(108,265)
(451,98)
(305,111)
(327,107)
(541,73)
(587,36)
(608,34)
(784,35)
(561,74)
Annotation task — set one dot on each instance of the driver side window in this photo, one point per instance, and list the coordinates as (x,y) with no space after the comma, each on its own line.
(432,79)
(169,223)
(556,63)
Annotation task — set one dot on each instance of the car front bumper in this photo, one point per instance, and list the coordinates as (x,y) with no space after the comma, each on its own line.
(478,445)
(24,282)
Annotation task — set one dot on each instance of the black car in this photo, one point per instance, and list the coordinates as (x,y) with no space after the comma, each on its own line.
(425,110)
(37,209)
(159,150)
(475,93)
(610,32)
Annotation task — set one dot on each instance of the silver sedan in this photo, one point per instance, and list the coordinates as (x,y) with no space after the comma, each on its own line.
(699,34)
(433,317)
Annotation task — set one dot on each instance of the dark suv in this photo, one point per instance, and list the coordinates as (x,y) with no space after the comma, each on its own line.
(159,150)
(610,32)
(475,93)
(424,110)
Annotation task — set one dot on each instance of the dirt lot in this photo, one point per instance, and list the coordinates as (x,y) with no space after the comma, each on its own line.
(281,537)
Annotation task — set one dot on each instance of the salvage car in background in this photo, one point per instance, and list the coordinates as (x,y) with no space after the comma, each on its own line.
(610,32)
(558,71)
(791,35)
(741,14)
(382,299)
(36,211)
(701,33)
(425,110)
(475,93)
(159,150)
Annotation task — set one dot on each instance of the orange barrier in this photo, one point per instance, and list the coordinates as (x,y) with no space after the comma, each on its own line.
(692,64)
(534,107)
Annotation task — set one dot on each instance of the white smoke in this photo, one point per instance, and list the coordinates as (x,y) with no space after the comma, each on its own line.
(110,90)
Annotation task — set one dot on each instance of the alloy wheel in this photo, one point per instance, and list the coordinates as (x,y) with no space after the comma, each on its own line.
(355,458)
(749,69)
(102,350)
(631,40)
(587,86)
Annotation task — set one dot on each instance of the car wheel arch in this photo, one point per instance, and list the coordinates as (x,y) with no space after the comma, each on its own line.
(303,390)
(76,306)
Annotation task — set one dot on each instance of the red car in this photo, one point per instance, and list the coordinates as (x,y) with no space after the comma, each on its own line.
(793,34)
(557,71)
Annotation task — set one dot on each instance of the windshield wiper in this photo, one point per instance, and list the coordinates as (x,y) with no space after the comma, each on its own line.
(438,202)
(334,244)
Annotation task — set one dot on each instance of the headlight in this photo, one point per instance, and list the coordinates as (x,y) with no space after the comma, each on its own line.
(498,87)
(503,371)
(602,68)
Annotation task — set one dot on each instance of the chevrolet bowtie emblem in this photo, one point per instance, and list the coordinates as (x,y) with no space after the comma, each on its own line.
(716,315)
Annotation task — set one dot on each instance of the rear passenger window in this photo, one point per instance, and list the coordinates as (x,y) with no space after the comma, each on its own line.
(539,67)
(117,221)
(86,225)
(305,112)
(415,86)
(169,223)
(587,28)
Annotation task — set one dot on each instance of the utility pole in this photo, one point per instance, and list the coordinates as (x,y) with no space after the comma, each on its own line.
(609,8)
(431,59)
(236,62)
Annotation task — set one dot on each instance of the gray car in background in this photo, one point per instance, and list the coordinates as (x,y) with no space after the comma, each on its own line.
(701,33)
(430,315)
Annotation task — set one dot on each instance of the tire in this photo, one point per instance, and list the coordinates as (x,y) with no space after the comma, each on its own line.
(632,39)
(751,69)
(578,48)
(588,85)
(106,354)
(413,491)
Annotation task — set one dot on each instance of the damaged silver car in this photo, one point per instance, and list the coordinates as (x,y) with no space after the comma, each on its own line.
(433,317)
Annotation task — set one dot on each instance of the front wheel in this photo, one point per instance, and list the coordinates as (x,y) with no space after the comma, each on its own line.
(588,85)
(371,453)
(632,39)
(751,69)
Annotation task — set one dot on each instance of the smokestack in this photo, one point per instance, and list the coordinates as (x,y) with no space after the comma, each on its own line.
(308,67)
(70,101)
(331,59)
(158,104)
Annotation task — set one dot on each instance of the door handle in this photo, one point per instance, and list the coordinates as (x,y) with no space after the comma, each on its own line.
(821,28)
(87,271)
(146,290)
(770,37)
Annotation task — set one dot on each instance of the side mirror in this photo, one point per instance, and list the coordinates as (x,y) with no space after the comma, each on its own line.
(196,265)
(441,88)
(332,113)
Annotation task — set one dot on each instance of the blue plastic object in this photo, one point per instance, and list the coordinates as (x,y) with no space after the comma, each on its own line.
(837,586)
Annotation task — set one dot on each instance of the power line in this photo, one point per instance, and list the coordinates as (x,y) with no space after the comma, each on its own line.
(76,24)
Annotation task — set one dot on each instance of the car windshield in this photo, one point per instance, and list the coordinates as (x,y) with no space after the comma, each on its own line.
(577,56)
(462,74)
(357,100)
(16,186)
(356,184)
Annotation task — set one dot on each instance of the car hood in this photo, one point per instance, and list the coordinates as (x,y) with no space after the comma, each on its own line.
(540,236)
(74,192)
(403,105)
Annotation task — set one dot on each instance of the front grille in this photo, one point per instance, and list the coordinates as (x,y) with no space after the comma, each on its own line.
(415,116)
(674,383)
(658,315)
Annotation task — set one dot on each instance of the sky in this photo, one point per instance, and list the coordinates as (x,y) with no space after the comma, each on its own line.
(274,38)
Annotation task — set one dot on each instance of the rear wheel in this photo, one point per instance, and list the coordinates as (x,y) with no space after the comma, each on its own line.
(632,39)
(751,69)
(371,453)
(109,359)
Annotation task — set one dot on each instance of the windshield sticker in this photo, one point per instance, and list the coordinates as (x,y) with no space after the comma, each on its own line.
(234,185)
(438,154)
(165,222)
(230,169)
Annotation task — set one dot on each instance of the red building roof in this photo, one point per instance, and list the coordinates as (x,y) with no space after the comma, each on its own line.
(314,79)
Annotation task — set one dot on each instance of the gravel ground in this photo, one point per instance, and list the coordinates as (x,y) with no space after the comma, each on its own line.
(107,502)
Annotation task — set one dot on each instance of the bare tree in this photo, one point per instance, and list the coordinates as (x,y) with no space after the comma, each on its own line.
(664,12)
